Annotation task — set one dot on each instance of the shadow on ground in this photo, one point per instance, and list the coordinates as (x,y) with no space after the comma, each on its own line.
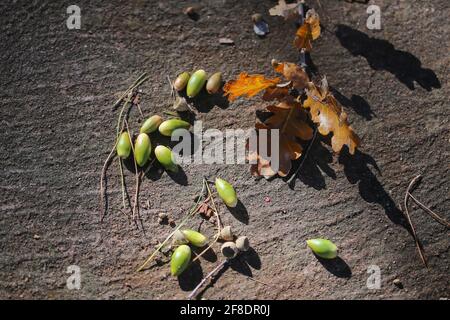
(382,55)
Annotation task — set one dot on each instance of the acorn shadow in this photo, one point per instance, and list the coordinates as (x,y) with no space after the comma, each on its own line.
(191,277)
(240,212)
(336,266)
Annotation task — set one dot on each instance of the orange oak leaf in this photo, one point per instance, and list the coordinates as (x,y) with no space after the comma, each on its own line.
(309,31)
(328,114)
(249,85)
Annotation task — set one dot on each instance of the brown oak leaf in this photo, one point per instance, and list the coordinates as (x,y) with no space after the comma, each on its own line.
(328,114)
(309,31)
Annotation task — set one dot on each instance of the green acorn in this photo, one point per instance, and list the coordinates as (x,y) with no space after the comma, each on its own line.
(166,158)
(196,83)
(323,248)
(124,145)
(142,149)
(226,192)
(195,238)
(151,124)
(169,126)
(180,260)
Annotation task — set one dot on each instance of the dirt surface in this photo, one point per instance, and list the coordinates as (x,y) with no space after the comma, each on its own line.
(57,89)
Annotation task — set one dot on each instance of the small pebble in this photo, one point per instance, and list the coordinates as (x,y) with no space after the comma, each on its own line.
(36,237)
(226,41)
(398,283)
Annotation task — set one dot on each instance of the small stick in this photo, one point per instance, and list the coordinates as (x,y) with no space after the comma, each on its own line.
(304,157)
(413,230)
(136,83)
(136,195)
(102,178)
(216,213)
(209,275)
(140,111)
(433,214)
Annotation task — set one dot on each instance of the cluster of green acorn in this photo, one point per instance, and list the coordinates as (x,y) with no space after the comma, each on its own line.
(194,83)
(143,147)
(182,254)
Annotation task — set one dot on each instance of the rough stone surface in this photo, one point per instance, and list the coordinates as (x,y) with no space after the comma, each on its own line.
(57,89)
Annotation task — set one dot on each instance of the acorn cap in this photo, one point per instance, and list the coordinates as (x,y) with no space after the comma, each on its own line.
(229,250)
(226,233)
(242,243)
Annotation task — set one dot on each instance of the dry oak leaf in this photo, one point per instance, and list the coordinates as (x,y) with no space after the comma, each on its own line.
(326,112)
(275,93)
(293,73)
(287,11)
(290,119)
(249,85)
(309,31)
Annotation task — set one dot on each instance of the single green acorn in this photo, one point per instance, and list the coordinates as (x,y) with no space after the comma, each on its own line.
(169,126)
(196,83)
(214,83)
(195,238)
(323,248)
(166,158)
(181,81)
(124,145)
(226,192)
(142,149)
(151,124)
(180,260)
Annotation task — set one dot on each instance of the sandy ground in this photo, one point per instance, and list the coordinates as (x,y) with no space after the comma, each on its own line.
(57,89)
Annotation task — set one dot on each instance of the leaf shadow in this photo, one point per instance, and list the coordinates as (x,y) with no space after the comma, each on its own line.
(357,170)
(314,166)
(382,55)
(357,103)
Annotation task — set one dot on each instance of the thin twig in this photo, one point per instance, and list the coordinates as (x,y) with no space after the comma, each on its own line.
(216,213)
(137,174)
(413,230)
(102,178)
(136,83)
(304,157)
(209,275)
(433,214)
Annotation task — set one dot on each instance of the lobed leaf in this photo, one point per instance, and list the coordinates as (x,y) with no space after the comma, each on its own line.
(248,85)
